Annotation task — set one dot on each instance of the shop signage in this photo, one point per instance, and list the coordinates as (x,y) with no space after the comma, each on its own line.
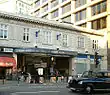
(46,51)
(8,49)
(40,71)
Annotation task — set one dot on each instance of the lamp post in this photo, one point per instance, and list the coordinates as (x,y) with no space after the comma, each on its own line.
(52,67)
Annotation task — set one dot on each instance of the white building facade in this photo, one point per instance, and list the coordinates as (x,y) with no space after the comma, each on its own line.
(38,43)
(21,7)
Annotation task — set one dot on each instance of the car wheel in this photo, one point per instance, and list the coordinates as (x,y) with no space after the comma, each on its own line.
(88,89)
(73,90)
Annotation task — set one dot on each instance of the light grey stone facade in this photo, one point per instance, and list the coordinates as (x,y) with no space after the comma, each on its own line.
(17,23)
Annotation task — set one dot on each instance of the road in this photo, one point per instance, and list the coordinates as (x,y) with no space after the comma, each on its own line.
(40,89)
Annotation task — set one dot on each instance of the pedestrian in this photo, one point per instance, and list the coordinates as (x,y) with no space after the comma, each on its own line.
(28,80)
(62,78)
(3,75)
(37,78)
(57,73)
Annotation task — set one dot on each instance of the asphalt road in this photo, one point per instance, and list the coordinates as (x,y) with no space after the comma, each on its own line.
(59,89)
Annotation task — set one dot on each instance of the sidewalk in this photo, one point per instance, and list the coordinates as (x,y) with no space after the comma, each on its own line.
(21,83)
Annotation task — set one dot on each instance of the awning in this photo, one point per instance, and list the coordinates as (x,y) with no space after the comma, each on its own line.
(7,62)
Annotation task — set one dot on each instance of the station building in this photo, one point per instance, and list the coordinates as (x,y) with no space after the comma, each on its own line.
(30,43)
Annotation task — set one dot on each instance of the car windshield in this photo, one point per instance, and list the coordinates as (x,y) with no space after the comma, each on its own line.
(88,74)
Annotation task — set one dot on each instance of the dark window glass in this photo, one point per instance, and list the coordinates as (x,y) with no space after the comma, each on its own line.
(99,8)
(99,23)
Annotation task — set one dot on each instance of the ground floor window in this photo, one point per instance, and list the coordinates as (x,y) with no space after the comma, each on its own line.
(81,67)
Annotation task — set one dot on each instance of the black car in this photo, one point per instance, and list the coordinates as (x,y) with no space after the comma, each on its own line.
(90,81)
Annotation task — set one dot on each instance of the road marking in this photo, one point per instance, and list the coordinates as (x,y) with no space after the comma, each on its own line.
(35,92)
(48,91)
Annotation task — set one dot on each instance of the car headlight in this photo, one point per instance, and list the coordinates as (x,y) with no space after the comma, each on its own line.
(80,82)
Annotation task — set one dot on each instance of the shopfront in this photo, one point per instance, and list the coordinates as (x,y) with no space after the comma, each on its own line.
(7,66)
(45,61)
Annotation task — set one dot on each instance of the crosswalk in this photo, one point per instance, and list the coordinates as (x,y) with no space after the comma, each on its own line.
(48,86)
(32,86)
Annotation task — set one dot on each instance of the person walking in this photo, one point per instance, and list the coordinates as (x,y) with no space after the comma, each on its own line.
(37,77)
(3,75)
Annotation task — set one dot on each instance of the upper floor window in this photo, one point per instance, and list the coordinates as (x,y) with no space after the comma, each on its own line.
(45,16)
(99,23)
(67,18)
(54,14)
(79,3)
(37,3)
(66,8)
(47,37)
(45,8)
(26,34)
(80,42)
(37,12)
(80,15)
(99,8)
(95,44)
(64,0)
(65,40)
(3,31)
(54,3)
(83,25)
(44,1)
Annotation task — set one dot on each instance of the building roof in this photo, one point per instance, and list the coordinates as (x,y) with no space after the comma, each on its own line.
(52,23)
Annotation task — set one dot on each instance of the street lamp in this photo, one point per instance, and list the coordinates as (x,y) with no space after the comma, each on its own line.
(52,66)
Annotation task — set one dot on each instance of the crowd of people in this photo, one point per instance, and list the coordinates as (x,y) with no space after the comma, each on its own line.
(28,78)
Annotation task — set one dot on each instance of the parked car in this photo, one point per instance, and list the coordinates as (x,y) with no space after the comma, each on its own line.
(90,81)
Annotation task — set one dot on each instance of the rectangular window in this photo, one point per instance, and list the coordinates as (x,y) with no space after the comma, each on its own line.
(63,1)
(65,40)
(3,31)
(26,34)
(99,23)
(45,8)
(45,16)
(67,19)
(37,3)
(54,14)
(66,8)
(79,3)
(80,42)
(80,15)
(77,16)
(95,44)
(47,37)
(37,12)
(44,1)
(103,6)
(83,25)
(99,8)
(54,3)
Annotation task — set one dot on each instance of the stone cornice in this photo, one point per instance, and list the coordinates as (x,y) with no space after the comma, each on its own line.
(52,23)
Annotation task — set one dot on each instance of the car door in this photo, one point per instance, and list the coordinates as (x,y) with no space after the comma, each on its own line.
(100,81)
(107,81)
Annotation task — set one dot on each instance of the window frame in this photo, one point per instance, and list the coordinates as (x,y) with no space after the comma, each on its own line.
(3,31)
(81,42)
(26,34)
